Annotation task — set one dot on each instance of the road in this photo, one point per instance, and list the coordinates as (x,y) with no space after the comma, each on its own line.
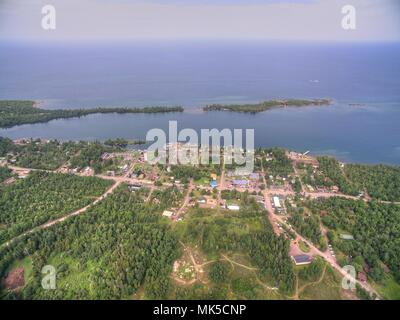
(65,217)
(267,201)
(221,186)
(187,198)
(273,218)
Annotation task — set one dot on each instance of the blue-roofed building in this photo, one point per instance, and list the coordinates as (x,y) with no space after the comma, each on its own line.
(213,184)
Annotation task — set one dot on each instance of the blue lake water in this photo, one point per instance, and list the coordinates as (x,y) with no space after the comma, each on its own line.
(196,74)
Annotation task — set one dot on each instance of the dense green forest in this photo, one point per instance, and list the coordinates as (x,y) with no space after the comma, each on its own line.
(90,156)
(375,228)
(115,248)
(51,155)
(309,227)
(17,112)
(6,146)
(331,169)
(266,105)
(279,165)
(5,173)
(44,196)
(380,181)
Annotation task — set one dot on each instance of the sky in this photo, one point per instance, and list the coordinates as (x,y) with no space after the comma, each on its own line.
(299,20)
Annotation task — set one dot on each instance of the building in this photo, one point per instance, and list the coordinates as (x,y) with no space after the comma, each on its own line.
(346,236)
(254,176)
(111,173)
(213,176)
(302,259)
(277,204)
(233,207)
(168,213)
(214,184)
(335,189)
(241,183)
(134,187)
(201,200)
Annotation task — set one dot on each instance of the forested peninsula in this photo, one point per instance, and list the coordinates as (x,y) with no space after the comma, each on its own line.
(18,112)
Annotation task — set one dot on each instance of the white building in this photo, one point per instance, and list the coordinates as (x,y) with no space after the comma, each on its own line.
(277,204)
(168,213)
(233,207)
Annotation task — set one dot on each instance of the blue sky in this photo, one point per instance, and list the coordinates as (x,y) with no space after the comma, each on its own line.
(310,20)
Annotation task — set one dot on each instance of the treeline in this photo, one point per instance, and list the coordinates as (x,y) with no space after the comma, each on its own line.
(266,105)
(279,165)
(375,228)
(331,169)
(313,271)
(380,181)
(44,196)
(309,227)
(90,156)
(122,143)
(186,172)
(115,248)
(15,112)
(5,173)
(51,155)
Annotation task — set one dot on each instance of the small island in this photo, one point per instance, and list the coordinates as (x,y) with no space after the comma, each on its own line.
(18,112)
(267,105)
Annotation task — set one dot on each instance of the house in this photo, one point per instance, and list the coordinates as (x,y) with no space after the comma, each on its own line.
(213,184)
(211,201)
(201,200)
(88,171)
(254,176)
(240,183)
(168,213)
(134,187)
(277,204)
(335,189)
(346,236)
(233,207)
(302,259)
(213,176)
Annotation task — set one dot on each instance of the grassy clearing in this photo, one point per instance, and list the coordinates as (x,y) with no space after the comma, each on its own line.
(328,289)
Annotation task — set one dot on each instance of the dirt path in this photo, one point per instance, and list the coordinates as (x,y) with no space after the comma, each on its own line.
(237,263)
(299,291)
(65,217)
(150,194)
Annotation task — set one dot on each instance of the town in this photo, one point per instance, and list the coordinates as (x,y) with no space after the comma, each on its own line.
(282,184)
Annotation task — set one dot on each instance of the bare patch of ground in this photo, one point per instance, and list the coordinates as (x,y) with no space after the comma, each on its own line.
(15,279)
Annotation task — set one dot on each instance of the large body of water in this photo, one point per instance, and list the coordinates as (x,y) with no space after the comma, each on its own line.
(196,74)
